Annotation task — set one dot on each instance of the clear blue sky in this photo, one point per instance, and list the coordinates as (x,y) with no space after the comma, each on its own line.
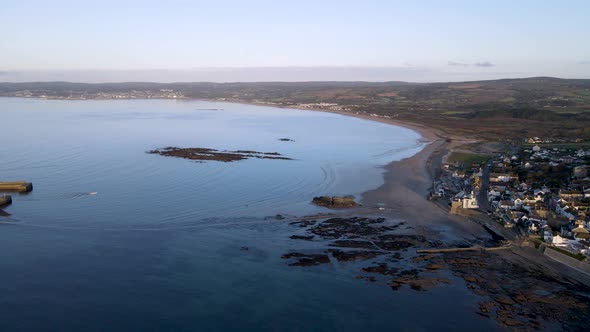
(225,40)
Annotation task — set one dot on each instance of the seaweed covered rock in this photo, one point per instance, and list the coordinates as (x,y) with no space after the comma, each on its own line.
(204,154)
(335,202)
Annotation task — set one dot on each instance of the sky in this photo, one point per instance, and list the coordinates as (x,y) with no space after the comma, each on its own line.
(282,40)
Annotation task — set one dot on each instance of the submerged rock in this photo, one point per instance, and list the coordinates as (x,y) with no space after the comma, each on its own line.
(433,266)
(303,223)
(301,237)
(355,227)
(380,268)
(353,244)
(486,307)
(393,242)
(346,256)
(307,259)
(416,281)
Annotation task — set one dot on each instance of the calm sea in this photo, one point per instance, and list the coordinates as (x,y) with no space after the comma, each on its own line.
(157,247)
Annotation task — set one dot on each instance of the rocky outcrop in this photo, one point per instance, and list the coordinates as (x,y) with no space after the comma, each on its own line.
(347,256)
(204,154)
(335,202)
(301,237)
(306,259)
(516,293)
(521,297)
(5,200)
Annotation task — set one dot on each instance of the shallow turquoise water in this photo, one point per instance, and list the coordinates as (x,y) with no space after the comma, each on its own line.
(158,247)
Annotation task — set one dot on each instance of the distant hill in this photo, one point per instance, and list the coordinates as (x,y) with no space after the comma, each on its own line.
(510,108)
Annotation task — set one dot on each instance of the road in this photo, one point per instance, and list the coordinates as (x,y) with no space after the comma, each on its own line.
(482,197)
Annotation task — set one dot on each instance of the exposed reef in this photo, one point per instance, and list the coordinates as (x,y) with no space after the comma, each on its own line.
(520,296)
(204,154)
(335,202)
(307,259)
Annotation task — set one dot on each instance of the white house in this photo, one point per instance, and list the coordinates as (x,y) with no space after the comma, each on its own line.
(499,177)
(469,202)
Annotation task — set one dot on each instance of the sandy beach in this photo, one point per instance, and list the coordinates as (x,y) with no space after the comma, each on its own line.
(406,186)
(407,183)
(403,195)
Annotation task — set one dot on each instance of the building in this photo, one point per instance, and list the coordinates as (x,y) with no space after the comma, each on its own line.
(581,233)
(571,194)
(469,202)
(501,177)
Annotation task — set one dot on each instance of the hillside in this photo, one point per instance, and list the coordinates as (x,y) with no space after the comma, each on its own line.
(508,108)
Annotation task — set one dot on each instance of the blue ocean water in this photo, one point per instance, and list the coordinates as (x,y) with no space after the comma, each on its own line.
(157,248)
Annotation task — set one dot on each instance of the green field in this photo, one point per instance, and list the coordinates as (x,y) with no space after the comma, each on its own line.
(467,158)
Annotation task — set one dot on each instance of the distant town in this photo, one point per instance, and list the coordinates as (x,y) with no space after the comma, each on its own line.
(132,94)
(507,109)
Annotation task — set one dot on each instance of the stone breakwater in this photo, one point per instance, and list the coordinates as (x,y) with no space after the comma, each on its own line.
(19,186)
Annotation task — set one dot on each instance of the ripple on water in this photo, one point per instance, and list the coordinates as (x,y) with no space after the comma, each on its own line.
(100,147)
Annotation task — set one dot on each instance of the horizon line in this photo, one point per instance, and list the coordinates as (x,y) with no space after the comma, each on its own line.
(293,82)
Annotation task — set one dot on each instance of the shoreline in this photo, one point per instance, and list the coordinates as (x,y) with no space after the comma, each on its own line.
(407,182)
(415,173)
(426,133)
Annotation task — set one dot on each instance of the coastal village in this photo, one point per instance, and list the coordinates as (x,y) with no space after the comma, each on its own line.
(540,192)
(101,95)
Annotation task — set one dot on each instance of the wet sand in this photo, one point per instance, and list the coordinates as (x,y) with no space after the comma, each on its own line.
(407,183)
